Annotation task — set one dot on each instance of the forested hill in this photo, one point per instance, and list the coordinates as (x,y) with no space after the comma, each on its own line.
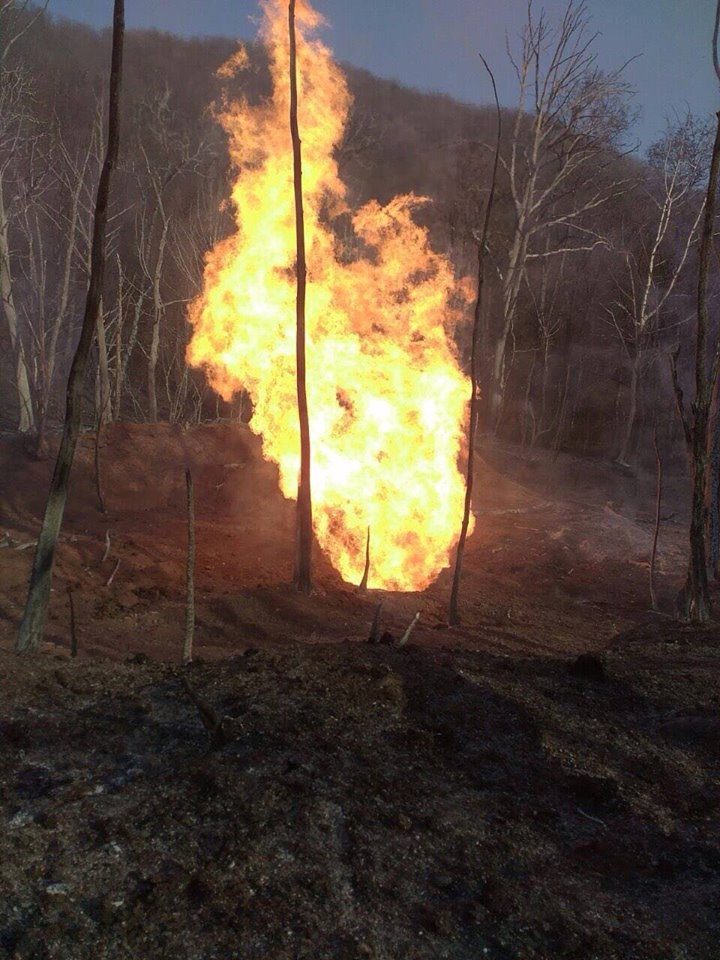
(567,359)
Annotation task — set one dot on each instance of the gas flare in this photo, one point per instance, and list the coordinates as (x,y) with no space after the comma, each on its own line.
(387,397)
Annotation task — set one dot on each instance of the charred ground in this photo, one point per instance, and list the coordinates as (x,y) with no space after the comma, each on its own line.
(467,796)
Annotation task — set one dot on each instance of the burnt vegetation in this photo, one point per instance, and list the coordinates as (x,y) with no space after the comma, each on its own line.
(209,762)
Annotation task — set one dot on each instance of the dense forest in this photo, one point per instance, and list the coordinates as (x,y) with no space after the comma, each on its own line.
(591,252)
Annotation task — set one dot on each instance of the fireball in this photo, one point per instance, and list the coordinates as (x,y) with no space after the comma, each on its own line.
(386,394)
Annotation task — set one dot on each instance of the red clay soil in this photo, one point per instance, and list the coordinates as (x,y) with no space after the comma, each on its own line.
(558,562)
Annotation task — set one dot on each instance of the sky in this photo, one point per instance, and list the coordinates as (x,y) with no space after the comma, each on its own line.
(433,44)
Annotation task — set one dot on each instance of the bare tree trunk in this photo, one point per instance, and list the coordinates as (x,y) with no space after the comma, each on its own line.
(190,577)
(656,530)
(70,253)
(124,359)
(513,282)
(98,466)
(33,622)
(303,562)
(453,615)
(714,498)
(103,393)
(694,598)
(632,412)
(26,418)
(696,603)
(120,323)
(366,572)
(157,319)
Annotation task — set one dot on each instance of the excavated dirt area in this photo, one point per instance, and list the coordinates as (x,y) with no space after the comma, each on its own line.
(481,792)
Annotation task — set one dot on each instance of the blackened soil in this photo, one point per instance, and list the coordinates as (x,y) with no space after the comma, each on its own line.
(365,802)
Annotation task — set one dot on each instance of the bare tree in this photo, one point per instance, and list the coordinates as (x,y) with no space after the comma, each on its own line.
(635,314)
(54,225)
(33,622)
(695,596)
(549,319)
(453,613)
(167,151)
(15,91)
(303,562)
(559,154)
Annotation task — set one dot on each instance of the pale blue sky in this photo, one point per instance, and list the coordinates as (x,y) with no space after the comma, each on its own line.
(433,44)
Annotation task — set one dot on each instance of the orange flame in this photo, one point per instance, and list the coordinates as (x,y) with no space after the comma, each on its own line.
(387,398)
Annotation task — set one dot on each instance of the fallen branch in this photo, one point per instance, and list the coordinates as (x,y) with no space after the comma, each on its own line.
(106,554)
(374,636)
(589,816)
(411,626)
(26,546)
(112,575)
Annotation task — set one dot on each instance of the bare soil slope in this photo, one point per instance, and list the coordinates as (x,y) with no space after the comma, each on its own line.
(558,562)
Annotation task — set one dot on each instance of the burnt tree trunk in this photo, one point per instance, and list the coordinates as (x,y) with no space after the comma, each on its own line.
(453,615)
(33,622)
(714,498)
(694,598)
(303,560)
(190,571)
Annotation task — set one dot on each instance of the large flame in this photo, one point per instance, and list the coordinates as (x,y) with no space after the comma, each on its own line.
(386,396)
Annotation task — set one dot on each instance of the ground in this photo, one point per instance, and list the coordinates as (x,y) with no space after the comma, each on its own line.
(481,792)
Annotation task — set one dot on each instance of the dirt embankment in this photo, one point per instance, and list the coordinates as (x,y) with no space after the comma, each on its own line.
(558,562)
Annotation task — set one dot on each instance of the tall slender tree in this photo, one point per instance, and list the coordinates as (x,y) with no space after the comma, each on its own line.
(695,605)
(303,560)
(453,615)
(33,622)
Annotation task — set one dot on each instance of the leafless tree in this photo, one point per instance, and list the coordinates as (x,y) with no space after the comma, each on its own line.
(33,622)
(635,314)
(569,116)
(695,596)
(55,225)
(167,151)
(15,122)
(453,612)
(303,562)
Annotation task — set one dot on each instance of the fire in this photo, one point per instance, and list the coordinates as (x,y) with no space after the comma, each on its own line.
(386,395)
